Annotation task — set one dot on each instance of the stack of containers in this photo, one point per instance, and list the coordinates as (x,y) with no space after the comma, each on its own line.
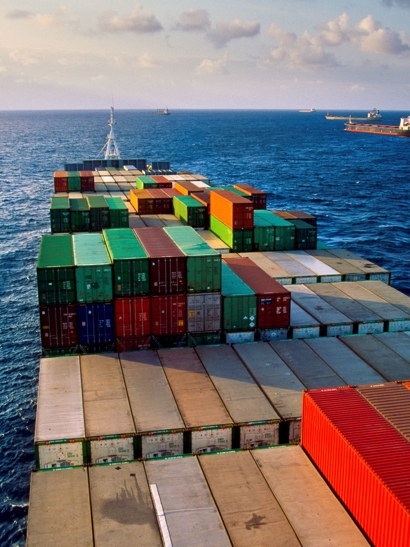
(203,285)
(284,231)
(118,212)
(162,201)
(190,211)
(99,213)
(231,219)
(167,272)
(186,188)
(142,202)
(60,215)
(204,198)
(57,294)
(131,289)
(143,182)
(162,181)
(79,215)
(263,232)
(305,235)
(87,181)
(60,182)
(93,275)
(273,299)
(258,197)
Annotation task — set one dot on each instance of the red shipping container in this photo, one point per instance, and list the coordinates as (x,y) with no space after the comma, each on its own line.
(58,326)
(162,203)
(87,181)
(258,197)
(167,263)
(273,299)
(364,459)
(233,210)
(168,315)
(132,316)
(171,192)
(60,181)
(161,181)
(132,344)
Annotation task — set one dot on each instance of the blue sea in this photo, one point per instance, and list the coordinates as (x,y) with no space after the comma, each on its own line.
(357,186)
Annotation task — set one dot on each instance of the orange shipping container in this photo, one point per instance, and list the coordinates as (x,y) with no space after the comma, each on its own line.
(186,188)
(232,210)
(142,202)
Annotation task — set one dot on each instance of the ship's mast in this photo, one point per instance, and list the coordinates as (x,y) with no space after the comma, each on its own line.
(110,148)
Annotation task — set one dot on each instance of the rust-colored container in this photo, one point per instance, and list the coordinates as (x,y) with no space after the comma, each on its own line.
(286,215)
(142,202)
(234,211)
(186,188)
(162,202)
(306,217)
(168,315)
(273,298)
(132,316)
(364,459)
(167,263)
(171,192)
(58,326)
(60,181)
(258,197)
(87,181)
(161,181)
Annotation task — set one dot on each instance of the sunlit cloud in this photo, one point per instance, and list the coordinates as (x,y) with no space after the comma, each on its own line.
(336,32)
(136,21)
(225,32)
(22,58)
(147,61)
(212,67)
(374,39)
(194,20)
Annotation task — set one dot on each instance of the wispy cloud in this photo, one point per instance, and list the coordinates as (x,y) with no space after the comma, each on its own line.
(194,20)
(59,17)
(400,3)
(20,14)
(23,58)
(213,66)
(136,21)
(225,32)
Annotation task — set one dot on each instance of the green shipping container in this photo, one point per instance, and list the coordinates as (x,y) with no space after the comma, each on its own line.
(145,181)
(99,213)
(305,235)
(203,262)
(189,211)
(93,269)
(74,181)
(263,233)
(79,215)
(60,215)
(118,213)
(130,262)
(55,270)
(238,302)
(240,241)
(284,230)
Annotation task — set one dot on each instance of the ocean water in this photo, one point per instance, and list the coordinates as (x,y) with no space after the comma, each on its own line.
(357,186)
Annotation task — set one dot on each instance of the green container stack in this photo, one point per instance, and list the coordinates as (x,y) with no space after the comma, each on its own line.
(305,235)
(56,271)
(145,181)
(118,213)
(79,215)
(74,181)
(240,241)
(239,303)
(284,230)
(60,215)
(263,232)
(99,213)
(189,211)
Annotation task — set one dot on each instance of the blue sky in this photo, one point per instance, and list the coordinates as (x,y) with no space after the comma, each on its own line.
(204,54)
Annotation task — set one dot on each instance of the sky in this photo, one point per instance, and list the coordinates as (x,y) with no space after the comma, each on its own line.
(205,54)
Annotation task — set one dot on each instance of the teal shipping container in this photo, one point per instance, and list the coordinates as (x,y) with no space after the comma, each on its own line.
(240,241)
(189,211)
(305,235)
(130,262)
(99,213)
(145,181)
(60,215)
(118,213)
(238,303)
(263,233)
(203,262)
(74,181)
(55,270)
(93,271)
(79,215)
(284,230)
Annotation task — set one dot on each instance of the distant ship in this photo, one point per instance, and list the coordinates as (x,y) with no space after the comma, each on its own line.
(372,115)
(402,130)
(162,112)
(308,110)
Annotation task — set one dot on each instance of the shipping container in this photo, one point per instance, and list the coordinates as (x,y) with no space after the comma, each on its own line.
(232,210)
(186,188)
(189,211)
(167,263)
(389,294)
(239,303)
(142,202)
(284,232)
(108,421)
(362,465)
(93,269)
(157,420)
(214,241)
(161,181)
(279,384)
(268,266)
(182,498)
(59,437)
(302,324)
(79,215)
(332,321)
(168,315)
(348,271)
(60,215)
(118,213)
(258,197)
(87,181)
(273,299)
(238,240)
(246,403)
(399,342)
(74,181)
(58,326)
(95,325)
(325,274)
(60,181)
(129,262)
(55,270)
(199,403)
(162,202)
(311,370)
(132,317)
(306,217)
(145,181)
(371,270)
(204,199)
(204,313)
(99,213)
(203,263)
(300,273)
(263,234)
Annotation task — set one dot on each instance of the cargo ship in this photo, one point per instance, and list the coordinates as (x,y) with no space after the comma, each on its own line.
(308,110)
(181,364)
(162,112)
(401,130)
(372,115)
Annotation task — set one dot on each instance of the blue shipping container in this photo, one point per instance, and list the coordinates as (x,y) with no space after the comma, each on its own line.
(95,324)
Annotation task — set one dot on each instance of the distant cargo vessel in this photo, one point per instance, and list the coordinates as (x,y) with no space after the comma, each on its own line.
(308,110)
(372,115)
(402,130)
(162,112)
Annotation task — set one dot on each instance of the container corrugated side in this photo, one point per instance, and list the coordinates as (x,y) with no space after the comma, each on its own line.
(132,317)
(234,211)
(204,313)
(239,303)
(238,240)
(263,234)
(118,212)
(58,326)
(96,326)
(284,232)
(168,315)
(60,214)
(189,211)
(162,202)
(99,213)
(79,215)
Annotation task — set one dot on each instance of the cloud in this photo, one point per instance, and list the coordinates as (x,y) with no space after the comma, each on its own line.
(399,3)
(194,21)
(374,39)
(224,32)
(22,58)
(211,67)
(20,14)
(135,21)
(336,32)
(147,61)
(59,17)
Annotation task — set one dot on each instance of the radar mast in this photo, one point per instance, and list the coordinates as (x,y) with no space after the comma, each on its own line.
(110,148)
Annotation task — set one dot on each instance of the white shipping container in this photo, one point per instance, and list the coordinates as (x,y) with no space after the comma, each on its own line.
(211,440)
(256,435)
(204,312)
(112,450)
(56,455)
(162,445)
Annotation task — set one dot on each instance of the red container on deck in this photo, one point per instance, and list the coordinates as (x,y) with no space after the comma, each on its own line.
(186,188)
(60,181)
(273,298)
(364,459)
(258,197)
(142,202)
(132,316)
(168,315)
(171,192)
(167,262)
(161,181)
(87,181)
(58,326)
(162,202)
(233,210)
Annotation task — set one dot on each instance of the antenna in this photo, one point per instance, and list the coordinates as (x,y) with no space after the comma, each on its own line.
(110,148)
